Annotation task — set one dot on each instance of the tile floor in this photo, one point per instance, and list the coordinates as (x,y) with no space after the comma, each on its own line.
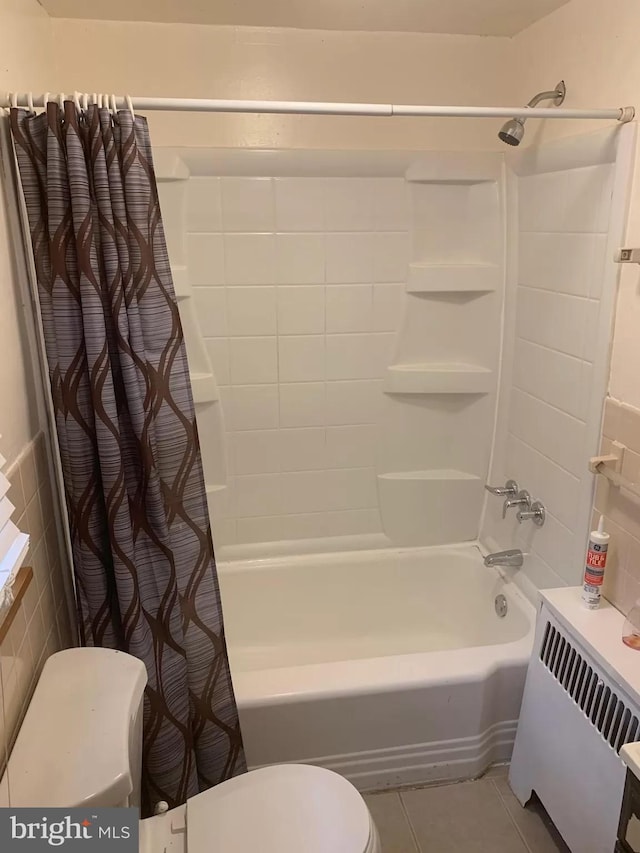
(482,816)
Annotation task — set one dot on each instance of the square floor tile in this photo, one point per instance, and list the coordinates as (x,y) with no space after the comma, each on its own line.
(469,816)
(534,823)
(393,827)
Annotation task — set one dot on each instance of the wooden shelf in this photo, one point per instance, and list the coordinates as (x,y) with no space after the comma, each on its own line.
(18,589)
(452,278)
(438,379)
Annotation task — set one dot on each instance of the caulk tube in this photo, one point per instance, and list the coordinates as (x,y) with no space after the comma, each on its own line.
(595,566)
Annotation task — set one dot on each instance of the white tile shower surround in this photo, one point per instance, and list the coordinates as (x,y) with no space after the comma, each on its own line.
(313,307)
(563,224)
(554,382)
(306,309)
(298,286)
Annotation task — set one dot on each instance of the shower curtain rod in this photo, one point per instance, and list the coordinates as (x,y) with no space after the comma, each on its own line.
(206,105)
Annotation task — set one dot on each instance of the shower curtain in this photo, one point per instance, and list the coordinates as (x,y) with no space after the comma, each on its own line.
(143,557)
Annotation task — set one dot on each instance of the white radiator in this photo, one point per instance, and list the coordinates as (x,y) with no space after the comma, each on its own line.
(581,704)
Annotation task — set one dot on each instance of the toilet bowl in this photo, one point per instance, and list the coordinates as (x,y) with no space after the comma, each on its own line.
(288,808)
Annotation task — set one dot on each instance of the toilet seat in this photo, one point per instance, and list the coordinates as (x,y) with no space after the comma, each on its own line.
(287,808)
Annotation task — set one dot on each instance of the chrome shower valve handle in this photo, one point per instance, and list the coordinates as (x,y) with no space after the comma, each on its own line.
(536,512)
(509,490)
(522,500)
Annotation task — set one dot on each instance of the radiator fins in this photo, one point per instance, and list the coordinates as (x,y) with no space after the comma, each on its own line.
(586,687)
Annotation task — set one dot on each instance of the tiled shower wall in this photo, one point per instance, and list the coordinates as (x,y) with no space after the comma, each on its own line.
(299,287)
(42,624)
(622,513)
(563,224)
(550,421)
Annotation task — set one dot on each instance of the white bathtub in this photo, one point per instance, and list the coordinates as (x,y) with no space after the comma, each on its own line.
(391,667)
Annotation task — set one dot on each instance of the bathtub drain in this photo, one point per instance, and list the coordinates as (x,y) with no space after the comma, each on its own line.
(501,605)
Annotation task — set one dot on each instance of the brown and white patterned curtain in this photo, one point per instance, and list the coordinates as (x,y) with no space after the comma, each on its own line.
(143,557)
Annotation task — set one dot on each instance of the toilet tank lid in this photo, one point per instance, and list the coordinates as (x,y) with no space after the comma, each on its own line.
(73,746)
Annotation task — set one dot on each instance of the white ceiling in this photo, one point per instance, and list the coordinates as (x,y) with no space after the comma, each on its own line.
(473,17)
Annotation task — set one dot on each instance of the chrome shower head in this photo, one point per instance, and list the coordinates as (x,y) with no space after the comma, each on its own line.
(512,131)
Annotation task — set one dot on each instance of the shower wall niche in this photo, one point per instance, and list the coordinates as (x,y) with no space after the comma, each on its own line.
(342,317)
(441,387)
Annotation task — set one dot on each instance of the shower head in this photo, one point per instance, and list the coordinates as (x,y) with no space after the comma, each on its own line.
(512,131)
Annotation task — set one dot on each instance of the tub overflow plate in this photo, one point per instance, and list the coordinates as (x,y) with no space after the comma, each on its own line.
(501,605)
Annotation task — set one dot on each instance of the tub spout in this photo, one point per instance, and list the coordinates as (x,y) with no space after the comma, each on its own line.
(512,558)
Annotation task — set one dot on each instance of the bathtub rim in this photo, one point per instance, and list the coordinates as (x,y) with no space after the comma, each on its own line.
(304,557)
(314,681)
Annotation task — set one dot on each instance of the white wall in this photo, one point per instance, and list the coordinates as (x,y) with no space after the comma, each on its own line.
(27,62)
(182,60)
(593,45)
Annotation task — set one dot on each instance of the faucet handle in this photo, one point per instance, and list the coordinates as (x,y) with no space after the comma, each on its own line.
(536,512)
(509,490)
(523,500)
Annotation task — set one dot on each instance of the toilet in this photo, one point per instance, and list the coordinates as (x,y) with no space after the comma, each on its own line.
(80,745)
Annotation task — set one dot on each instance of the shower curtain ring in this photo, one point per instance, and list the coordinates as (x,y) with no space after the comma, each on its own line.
(114,107)
(61,98)
(13,99)
(76,101)
(32,109)
(85,102)
(130,106)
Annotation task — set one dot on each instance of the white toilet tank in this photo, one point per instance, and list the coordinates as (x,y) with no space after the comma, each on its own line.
(80,743)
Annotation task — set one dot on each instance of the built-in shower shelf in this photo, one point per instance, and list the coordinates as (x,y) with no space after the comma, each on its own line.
(181,284)
(439,474)
(456,167)
(215,489)
(430,507)
(169,167)
(204,388)
(447,378)
(452,278)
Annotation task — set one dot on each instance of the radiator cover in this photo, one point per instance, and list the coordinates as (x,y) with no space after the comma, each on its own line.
(580,706)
